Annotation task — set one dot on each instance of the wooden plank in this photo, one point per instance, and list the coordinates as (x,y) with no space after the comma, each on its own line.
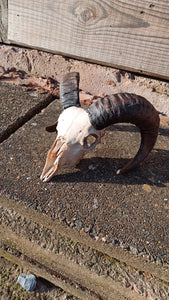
(129,34)
(3,20)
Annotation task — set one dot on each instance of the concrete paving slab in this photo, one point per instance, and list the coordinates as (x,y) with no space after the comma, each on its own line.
(116,217)
(17,106)
(130,210)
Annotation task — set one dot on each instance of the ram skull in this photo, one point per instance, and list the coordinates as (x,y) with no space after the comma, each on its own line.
(74,131)
(76,125)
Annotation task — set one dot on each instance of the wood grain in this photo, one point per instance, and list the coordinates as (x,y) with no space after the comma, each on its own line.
(3,20)
(128,34)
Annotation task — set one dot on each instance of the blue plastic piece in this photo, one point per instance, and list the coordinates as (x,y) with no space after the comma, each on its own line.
(28,282)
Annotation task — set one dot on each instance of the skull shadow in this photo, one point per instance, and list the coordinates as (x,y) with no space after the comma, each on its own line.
(153,171)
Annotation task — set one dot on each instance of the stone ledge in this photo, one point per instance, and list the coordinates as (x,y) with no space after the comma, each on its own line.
(66,256)
(10,289)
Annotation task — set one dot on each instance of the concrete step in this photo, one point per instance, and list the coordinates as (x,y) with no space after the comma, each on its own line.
(95,234)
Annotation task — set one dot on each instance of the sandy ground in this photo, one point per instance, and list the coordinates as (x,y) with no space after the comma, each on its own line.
(95,79)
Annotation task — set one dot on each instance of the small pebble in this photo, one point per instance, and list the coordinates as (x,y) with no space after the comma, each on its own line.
(147,188)
(28,282)
(33,94)
(91,167)
(104,239)
(110,82)
(95,205)
(158,260)
(134,250)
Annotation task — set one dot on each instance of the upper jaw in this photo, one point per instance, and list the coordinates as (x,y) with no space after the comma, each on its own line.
(53,159)
(46,177)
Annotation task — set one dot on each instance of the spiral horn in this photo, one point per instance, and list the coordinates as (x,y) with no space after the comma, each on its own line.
(128,108)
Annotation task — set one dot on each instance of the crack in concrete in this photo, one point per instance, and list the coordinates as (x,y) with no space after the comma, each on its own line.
(21,120)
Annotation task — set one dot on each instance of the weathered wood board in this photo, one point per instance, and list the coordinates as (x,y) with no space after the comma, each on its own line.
(129,34)
(3,20)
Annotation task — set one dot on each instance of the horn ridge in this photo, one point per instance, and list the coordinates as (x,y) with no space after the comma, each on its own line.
(128,108)
(69,90)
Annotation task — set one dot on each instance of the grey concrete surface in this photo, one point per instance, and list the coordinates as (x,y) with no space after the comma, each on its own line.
(131,209)
(129,212)
(18,105)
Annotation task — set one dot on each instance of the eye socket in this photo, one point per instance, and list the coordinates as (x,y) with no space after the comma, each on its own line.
(90,141)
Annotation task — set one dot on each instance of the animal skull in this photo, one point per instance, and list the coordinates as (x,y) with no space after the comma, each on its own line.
(72,141)
(75,126)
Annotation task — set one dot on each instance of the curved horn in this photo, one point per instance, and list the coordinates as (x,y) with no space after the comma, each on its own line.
(69,90)
(128,108)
